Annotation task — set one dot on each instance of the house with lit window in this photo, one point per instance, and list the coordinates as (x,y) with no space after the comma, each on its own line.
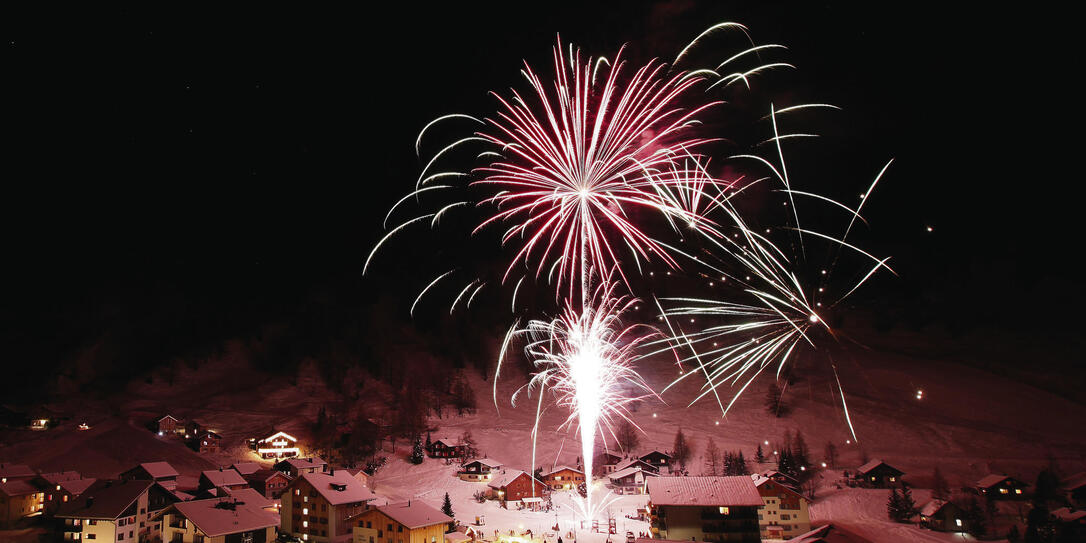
(407,522)
(294,467)
(160,472)
(269,482)
(631,479)
(12,472)
(218,520)
(563,478)
(207,442)
(713,509)
(107,511)
(659,460)
(783,514)
(943,516)
(358,473)
(316,506)
(606,462)
(1001,487)
(877,474)
(170,425)
(514,485)
(59,487)
(277,445)
(478,470)
(18,499)
(444,447)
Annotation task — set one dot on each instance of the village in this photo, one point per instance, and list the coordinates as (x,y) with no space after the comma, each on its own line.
(279,491)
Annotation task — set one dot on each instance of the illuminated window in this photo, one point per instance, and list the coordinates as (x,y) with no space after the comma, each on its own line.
(1018,491)
(297,492)
(958,521)
(1003,491)
(305,510)
(305,524)
(724,510)
(893,479)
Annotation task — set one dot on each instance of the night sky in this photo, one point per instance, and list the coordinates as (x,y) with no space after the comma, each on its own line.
(191,175)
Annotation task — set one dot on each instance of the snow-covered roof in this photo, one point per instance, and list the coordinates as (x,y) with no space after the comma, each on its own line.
(457,537)
(486,462)
(221,516)
(774,473)
(1075,481)
(16,470)
(58,476)
(631,462)
(562,468)
(346,488)
(313,461)
(277,435)
(932,507)
(76,487)
(446,441)
(17,487)
(655,451)
(735,490)
(414,514)
(249,496)
(159,470)
(627,471)
(246,468)
(1065,514)
(760,480)
(874,464)
(105,500)
(169,417)
(993,479)
(223,477)
(506,477)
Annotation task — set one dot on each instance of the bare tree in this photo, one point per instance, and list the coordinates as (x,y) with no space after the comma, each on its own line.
(627,436)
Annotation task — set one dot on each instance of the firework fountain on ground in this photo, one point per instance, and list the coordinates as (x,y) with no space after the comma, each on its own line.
(567,167)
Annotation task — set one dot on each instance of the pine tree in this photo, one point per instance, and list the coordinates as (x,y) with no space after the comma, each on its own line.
(446,507)
(759,455)
(975,517)
(893,505)
(774,402)
(712,458)
(830,454)
(681,450)
(940,489)
(799,450)
(627,436)
(741,464)
(908,505)
(416,451)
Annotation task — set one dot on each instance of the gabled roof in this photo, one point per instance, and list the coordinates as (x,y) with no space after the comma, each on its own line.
(446,441)
(76,487)
(864,469)
(735,490)
(277,435)
(630,470)
(249,496)
(230,517)
(506,477)
(224,477)
(104,500)
(346,488)
(18,487)
(263,475)
(562,468)
(1075,481)
(486,462)
(12,471)
(158,470)
(301,463)
(655,451)
(993,479)
(1065,514)
(634,462)
(58,476)
(760,480)
(933,507)
(414,514)
(245,468)
(606,456)
(168,417)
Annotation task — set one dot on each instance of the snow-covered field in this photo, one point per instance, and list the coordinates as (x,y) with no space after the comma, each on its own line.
(969,423)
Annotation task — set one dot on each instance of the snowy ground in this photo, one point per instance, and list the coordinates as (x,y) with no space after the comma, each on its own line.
(969,423)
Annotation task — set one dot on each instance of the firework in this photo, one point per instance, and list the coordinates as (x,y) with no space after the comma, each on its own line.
(584,358)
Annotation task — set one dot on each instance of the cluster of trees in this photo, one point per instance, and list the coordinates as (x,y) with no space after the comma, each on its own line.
(723,463)
(901,507)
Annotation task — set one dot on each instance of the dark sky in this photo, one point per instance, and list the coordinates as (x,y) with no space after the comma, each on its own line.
(242,158)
